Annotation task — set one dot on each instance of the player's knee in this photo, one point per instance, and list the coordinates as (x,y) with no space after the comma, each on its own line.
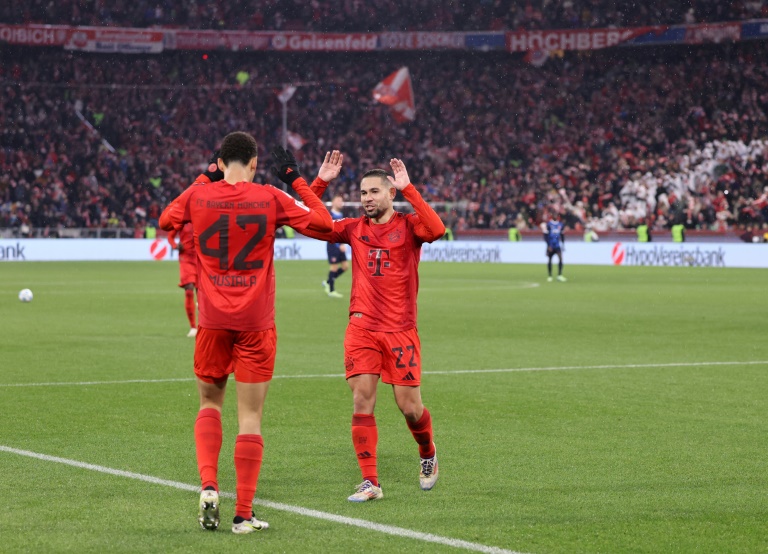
(411,410)
(364,403)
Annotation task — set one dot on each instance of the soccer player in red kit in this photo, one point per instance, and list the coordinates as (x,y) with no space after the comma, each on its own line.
(234,223)
(186,248)
(187,270)
(381,340)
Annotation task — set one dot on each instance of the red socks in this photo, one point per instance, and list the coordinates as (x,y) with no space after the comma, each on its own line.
(189,306)
(249,450)
(365,437)
(422,432)
(208,445)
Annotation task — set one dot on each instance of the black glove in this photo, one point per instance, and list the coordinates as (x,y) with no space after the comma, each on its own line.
(286,168)
(213,172)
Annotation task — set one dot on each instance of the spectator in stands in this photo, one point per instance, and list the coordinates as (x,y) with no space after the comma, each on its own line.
(583,132)
(379,15)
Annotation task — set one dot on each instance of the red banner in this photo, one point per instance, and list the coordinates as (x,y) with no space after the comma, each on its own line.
(215,40)
(134,40)
(325,42)
(106,40)
(580,39)
(34,35)
(421,41)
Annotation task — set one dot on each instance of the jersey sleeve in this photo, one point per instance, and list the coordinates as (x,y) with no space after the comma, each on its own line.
(177,213)
(290,212)
(318,187)
(427,225)
(338,233)
(321,219)
(172,238)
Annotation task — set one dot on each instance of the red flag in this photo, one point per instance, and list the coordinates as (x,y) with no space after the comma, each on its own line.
(396,92)
(286,94)
(295,140)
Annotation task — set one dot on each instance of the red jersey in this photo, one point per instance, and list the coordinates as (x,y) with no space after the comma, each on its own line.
(234,238)
(186,240)
(385,262)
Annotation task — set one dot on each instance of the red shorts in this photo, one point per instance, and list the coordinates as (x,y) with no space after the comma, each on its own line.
(187,269)
(395,356)
(250,355)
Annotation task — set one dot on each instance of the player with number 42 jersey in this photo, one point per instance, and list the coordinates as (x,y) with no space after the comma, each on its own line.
(234,222)
(234,226)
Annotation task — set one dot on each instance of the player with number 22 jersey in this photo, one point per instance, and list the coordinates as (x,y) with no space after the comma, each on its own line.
(382,340)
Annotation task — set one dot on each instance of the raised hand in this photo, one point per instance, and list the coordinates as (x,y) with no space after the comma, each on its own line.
(331,166)
(401,179)
(286,168)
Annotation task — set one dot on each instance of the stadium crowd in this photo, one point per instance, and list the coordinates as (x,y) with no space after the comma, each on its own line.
(610,138)
(378,15)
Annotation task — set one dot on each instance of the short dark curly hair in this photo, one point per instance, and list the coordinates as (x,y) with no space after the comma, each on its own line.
(238,147)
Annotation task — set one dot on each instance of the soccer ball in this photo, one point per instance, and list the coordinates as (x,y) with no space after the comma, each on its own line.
(25,295)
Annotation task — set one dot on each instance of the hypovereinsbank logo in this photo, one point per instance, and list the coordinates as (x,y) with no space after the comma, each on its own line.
(450,253)
(15,253)
(617,254)
(675,256)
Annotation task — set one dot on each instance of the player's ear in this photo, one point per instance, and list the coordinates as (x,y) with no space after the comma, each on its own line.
(221,164)
(254,163)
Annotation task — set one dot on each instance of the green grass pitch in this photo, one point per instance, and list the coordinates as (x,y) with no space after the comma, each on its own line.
(622,434)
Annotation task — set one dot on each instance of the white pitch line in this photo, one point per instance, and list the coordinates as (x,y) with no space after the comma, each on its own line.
(610,366)
(446,372)
(129,381)
(82,383)
(355,522)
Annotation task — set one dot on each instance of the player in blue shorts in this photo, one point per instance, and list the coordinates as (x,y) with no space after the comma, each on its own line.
(337,256)
(554,236)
